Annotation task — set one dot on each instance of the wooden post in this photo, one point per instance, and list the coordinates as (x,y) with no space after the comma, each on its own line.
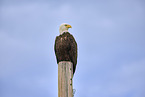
(65,75)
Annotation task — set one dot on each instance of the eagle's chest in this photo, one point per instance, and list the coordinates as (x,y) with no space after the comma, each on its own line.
(64,40)
(64,43)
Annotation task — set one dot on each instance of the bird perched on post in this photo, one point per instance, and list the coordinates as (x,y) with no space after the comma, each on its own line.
(65,46)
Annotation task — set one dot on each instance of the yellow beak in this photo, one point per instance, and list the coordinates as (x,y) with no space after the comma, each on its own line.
(69,26)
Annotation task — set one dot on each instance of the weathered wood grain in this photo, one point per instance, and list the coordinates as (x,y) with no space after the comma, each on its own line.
(65,82)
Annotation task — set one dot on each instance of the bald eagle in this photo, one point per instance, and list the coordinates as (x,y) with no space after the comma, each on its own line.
(65,46)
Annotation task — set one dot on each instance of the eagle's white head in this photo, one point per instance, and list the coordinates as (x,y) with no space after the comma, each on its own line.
(64,28)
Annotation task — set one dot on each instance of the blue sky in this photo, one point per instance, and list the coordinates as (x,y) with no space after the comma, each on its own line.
(111,47)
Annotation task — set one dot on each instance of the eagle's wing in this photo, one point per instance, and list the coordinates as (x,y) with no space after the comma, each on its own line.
(56,48)
(73,52)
